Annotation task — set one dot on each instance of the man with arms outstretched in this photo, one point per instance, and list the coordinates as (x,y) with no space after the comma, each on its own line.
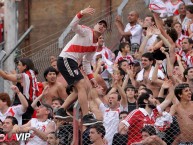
(80,48)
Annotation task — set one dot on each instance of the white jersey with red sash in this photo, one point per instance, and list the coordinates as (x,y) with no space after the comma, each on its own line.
(81,48)
(15,111)
(34,139)
(111,121)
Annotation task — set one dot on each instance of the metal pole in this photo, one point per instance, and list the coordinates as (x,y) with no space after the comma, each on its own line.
(19,42)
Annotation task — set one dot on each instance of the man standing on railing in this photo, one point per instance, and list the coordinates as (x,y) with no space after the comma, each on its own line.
(80,48)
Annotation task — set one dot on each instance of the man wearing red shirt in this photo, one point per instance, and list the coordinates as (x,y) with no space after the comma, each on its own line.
(146,114)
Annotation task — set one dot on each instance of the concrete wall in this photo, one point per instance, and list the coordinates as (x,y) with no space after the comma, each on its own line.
(50,17)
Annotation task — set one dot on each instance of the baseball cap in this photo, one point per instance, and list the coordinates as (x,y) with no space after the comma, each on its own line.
(103,21)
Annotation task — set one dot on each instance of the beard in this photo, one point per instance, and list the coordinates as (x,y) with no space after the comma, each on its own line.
(151,105)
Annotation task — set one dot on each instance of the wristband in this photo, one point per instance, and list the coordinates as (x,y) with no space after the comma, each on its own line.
(81,12)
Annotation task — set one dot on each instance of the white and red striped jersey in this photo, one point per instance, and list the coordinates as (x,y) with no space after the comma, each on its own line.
(186,57)
(179,40)
(15,111)
(81,47)
(172,8)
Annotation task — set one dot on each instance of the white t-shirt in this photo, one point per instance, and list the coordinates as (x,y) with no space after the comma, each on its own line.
(136,32)
(34,139)
(15,111)
(111,121)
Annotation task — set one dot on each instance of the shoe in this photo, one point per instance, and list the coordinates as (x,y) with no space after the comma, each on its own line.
(88,120)
(61,114)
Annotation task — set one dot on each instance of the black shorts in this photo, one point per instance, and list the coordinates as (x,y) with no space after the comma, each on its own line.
(69,70)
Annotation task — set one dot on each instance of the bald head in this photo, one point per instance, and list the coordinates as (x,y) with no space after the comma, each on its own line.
(133,17)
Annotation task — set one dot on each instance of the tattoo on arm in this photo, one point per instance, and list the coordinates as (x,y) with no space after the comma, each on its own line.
(19,77)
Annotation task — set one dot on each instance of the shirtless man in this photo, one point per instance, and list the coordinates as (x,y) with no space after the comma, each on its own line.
(145,75)
(184,113)
(55,88)
(60,78)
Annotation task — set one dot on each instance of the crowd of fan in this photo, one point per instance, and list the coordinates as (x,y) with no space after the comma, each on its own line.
(143,93)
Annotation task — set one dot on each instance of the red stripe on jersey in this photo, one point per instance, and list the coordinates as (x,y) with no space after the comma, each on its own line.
(81,49)
(131,114)
(12,112)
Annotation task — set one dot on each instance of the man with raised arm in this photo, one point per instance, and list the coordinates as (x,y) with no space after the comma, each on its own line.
(184,113)
(81,48)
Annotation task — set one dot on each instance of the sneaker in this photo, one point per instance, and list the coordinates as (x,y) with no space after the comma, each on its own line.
(89,120)
(61,114)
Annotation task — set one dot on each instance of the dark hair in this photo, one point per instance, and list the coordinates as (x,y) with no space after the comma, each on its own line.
(99,128)
(123,112)
(121,61)
(189,8)
(186,72)
(141,98)
(13,119)
(179,88)
(129,87)
(28,62)
(148,55)
(116,52)
(190,41)
(168,22)
(5,98)
(172,33)
(58,99)
(148,91)
(149,129)
(152,18)
(122,72)
(49,69)
(122,45)
(36,72)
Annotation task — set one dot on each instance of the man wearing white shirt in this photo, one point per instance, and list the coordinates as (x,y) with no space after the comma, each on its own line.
(182,19)
(16,111)
(132,29)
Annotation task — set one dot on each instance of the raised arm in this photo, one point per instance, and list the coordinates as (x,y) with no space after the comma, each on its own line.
(167,84)
(75,22)
(120,27)
(123,100)
(11,77)
(21,97)
(44,93)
